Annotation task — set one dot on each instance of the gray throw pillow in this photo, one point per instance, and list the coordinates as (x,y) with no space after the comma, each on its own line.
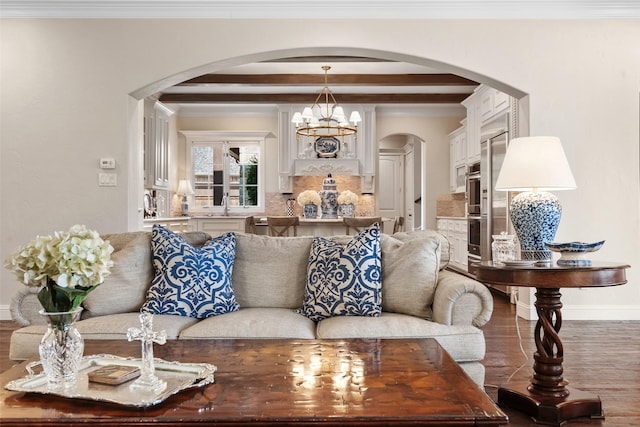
(410,274)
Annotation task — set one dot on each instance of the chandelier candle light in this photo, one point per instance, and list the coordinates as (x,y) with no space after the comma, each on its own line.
(325,118)
(533,166)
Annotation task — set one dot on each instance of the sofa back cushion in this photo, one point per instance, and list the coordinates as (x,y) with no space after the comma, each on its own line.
(410,273)
(270,271)
(125,288)
(445,247)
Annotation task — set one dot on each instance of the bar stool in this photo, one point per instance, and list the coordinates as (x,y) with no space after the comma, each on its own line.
(250,225)
(279,225)
(360,223)
(398,224)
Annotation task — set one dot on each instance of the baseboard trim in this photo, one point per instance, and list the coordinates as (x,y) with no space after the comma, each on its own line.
(5,312)
(585,312)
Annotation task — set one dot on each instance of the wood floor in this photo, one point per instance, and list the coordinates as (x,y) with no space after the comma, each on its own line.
(599,357)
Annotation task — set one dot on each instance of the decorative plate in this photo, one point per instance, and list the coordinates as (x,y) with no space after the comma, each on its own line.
(519,263)
(327,146)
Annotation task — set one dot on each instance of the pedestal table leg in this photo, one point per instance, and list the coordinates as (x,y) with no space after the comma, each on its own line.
(547,398)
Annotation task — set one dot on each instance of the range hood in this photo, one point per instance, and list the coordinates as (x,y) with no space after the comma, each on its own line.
(315,167)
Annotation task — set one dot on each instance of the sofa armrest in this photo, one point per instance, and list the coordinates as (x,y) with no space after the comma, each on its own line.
(461,300)
(25,307)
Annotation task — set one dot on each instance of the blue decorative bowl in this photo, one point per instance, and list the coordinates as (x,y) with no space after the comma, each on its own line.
(574,254)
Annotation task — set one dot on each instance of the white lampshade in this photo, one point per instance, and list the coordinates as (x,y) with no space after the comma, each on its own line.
(297,118)
(184,188)
(307,114)
(338,113)
(355,117)
(535,163)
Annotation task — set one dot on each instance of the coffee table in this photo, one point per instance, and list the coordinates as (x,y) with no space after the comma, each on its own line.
(283,382)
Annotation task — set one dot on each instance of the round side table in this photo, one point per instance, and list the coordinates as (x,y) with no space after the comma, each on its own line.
(547,397)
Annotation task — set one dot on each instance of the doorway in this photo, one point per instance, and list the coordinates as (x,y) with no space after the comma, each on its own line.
(402,179)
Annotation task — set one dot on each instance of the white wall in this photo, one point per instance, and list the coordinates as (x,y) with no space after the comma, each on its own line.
(65,103)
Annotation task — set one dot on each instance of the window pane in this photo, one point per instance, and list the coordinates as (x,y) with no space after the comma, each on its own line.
(239,177)
(208,174)
(248,175)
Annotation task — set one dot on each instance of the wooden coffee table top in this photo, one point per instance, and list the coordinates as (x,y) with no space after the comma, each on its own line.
(283,382)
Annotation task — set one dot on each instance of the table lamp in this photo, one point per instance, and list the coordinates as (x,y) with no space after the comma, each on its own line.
(184,190)
(533,166)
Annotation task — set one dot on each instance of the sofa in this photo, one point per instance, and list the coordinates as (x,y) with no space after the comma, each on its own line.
(268,296)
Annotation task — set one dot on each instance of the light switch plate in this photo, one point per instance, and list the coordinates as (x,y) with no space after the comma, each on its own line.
(107,163)
(107,179)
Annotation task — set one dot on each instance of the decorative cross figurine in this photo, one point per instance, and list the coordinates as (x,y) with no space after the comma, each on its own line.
(148,379)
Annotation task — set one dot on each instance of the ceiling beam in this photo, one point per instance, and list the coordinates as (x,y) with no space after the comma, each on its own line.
(305,98)
(333,79)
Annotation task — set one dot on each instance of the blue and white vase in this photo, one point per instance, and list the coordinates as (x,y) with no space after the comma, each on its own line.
(348,210)
(310,211)
(329,196)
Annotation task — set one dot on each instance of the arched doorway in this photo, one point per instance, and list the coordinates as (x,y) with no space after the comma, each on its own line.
(135,189)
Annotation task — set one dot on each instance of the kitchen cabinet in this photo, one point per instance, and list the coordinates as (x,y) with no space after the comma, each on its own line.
(492,103)
(216,226)
(458,159)
(472,128)
(156,145)
(483,107)
(455,230)
(178,224)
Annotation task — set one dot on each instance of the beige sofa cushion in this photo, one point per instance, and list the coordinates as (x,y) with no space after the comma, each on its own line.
(465,343)
(410,274)
(253,323)
(270,271)
(445,247)
(125,288)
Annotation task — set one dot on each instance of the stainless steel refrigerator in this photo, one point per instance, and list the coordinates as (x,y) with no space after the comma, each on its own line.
(494,205)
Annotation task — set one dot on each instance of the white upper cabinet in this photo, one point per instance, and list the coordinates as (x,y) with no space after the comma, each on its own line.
(156,145)
(483,106)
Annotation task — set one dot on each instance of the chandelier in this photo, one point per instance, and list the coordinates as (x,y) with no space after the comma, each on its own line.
(325,117)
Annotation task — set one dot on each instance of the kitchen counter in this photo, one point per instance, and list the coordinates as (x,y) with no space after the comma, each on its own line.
(178,223)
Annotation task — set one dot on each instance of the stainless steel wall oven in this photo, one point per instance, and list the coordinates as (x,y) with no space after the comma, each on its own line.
(474,196)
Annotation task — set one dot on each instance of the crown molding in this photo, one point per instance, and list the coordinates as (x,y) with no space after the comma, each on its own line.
(295,9)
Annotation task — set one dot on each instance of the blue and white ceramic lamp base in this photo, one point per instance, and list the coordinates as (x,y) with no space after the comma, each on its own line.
(535,217)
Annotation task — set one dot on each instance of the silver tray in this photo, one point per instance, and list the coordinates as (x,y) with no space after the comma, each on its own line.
(179,376)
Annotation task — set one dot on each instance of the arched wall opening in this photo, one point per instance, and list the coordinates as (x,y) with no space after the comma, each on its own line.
(136,107)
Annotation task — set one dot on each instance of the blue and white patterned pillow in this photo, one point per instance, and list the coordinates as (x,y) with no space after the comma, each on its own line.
(344,280)
(189,281)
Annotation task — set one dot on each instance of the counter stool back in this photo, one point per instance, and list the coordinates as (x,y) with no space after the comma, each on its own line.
(279,226)
(360,223)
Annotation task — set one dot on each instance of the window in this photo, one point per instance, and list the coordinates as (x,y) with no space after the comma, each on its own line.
(225,168)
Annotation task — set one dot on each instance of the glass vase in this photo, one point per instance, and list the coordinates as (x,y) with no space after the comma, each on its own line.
(61,349)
